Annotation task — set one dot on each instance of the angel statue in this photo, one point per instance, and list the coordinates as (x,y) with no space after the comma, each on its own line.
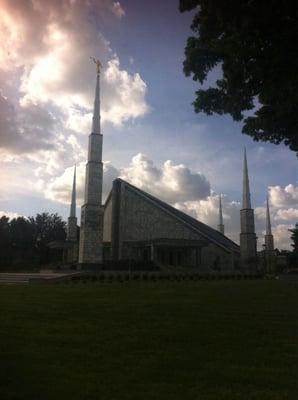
(98,65)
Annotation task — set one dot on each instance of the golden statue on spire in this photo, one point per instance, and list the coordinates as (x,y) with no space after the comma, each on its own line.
(98,65)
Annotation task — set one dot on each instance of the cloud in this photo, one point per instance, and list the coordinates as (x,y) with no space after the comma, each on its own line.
(60,187)
(130,90)
(118,10)
(283,197)
(280,199)
(47,78)
(26,130)
(207,211)
(282,236)
(287,214)
(9,214)
(171,182)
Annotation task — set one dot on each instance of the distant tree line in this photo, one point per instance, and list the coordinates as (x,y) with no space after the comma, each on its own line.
(24,241)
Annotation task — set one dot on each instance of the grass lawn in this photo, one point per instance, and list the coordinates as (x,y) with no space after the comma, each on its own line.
(149,340)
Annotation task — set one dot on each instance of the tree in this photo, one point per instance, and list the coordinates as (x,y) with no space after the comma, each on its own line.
(293,256)
(294,238)
(22,239)
(47,228)
(255,42)
(5,241)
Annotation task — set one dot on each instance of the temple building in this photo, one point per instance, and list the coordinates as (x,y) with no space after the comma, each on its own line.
(133,225)
(141,227)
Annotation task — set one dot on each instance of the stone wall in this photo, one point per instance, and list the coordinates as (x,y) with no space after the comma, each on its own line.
(91,235)
(132,217)
(107,221)
(143,220)
(217,258)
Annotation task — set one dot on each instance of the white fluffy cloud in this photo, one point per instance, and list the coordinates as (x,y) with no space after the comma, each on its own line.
(286,214)
(46,73)
(282,214)
(283,197)
(282,236)
(47,83)
(59,188)
(207,211)
(10,215)
(172,183)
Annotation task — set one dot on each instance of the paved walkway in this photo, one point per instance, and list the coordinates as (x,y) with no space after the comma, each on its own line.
(38,277)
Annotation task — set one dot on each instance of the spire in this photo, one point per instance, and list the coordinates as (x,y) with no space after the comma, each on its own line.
(246,204)
(221,227)
(91,232)
(73,196)
(96,110)
(268,223)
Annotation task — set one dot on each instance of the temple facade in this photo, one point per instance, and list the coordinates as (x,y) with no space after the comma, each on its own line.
(141,227)
(134,225)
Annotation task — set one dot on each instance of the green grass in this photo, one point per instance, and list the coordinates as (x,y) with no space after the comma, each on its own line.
(149,340)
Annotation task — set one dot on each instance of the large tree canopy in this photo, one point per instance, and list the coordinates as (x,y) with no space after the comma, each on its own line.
(255,42)
(25,240)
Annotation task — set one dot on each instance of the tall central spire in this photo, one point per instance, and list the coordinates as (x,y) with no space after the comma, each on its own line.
(246,193)
(90,254)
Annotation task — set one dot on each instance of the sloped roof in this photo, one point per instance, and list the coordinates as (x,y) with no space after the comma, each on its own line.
(203,229)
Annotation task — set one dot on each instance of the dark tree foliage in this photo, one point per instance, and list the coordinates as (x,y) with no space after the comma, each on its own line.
(5,240)
(47,228)
(293,256)
(294,238)
(22,238)
(24,241)
(255,42)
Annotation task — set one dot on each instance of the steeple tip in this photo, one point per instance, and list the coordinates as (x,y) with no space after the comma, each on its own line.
(96,110)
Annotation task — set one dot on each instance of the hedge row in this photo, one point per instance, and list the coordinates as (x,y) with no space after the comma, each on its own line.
(145,276)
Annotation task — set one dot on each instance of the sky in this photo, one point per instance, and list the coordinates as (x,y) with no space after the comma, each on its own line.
(152,136)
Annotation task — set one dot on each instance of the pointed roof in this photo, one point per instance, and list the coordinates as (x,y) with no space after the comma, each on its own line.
(73,196)
(268,223)
(246,193)
(96,110)
(204,230)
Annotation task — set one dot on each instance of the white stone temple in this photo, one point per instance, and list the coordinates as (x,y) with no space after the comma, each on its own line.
(134,226)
